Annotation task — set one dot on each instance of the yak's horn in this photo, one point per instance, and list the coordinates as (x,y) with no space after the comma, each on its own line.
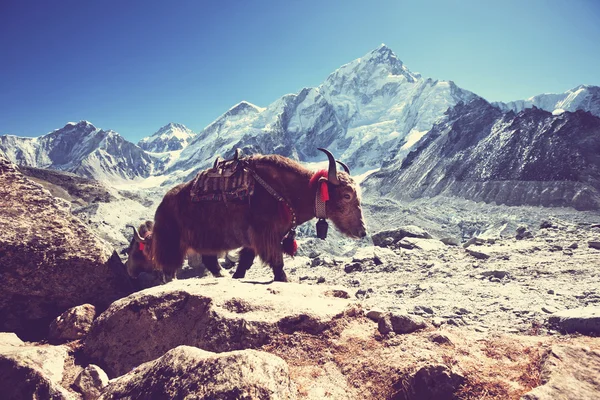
(332,176)
(136,234)
(344,166)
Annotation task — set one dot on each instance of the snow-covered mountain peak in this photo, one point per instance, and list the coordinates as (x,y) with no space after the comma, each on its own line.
(372,71)
(243,107)
(171,137)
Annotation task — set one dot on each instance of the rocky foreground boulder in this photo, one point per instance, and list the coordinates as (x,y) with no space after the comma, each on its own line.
(30,371)
(213,314)
(188,372)
(569,372)
(49,260)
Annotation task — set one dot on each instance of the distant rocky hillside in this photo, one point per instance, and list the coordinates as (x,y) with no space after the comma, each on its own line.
(69,186)
(478,152)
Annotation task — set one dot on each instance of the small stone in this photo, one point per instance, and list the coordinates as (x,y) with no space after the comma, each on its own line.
(384,325)
(321,279)
(374,314)
(549,309)
(73,324)
(474,240)
(387,242)
(568,252)
(550,291)
(354,267)
(523,233)
(573,245)
(354,282)
(496,274)
(555,247)
(407,323)
(477,254)
(91,381)
(437,322)
(594,244)
(450,241)
(440,339)
(547,224)
(313,253)
(434,382)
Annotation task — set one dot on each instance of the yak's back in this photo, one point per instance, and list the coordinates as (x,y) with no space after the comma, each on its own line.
(228,180)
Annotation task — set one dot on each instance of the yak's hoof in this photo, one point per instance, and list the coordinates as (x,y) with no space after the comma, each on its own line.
(239,274)
(218,274)
(280,277)
(168,277)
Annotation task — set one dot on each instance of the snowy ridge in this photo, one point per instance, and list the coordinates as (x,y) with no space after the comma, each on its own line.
(583,97)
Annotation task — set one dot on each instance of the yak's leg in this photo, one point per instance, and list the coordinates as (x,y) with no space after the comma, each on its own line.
(277,266)
(245,262)
(212,264)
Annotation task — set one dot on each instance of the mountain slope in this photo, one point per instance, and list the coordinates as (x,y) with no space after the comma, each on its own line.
(483,154)
(83,149)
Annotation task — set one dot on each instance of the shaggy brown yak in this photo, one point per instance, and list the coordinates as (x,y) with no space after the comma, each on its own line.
(257,225)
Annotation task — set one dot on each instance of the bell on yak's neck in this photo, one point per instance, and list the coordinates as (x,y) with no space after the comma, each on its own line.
(322,227)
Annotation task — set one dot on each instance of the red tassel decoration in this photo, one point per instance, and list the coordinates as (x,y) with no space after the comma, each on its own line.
(324,191)
(142,245)
(289,244)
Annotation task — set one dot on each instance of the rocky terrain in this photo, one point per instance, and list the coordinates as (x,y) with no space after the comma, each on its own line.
(447,299)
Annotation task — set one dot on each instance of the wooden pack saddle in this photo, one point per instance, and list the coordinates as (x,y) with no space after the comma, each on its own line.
(227,180)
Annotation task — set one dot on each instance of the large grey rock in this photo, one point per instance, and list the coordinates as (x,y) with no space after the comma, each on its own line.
(400,233)
(569,372)
(400,323)
(73,324)
(422,244)
(584,320)
(49,260)
(32,372)
(212,314)
(190,373)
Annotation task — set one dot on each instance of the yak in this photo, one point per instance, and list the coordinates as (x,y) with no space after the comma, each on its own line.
(258,225)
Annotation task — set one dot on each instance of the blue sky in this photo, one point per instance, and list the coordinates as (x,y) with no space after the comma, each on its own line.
(134,66)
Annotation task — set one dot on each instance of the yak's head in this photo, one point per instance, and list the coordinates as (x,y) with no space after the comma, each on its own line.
(140,250)
(343,207)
